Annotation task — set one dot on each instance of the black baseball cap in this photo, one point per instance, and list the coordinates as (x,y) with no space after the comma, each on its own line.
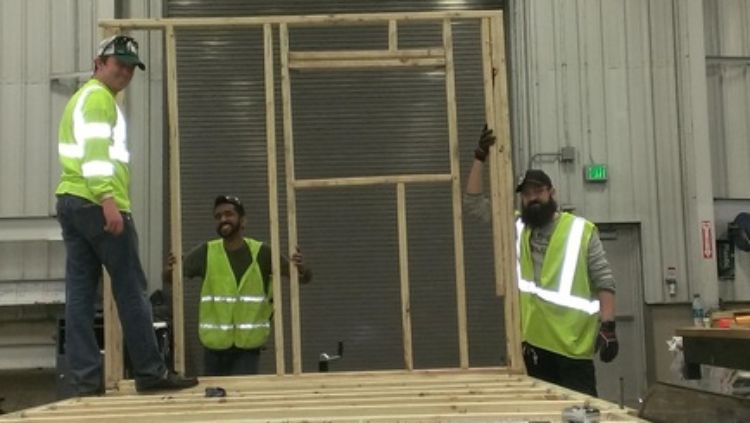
(228,199)
(534,177)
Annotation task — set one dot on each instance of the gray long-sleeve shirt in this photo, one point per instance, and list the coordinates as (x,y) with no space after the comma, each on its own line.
(600,273)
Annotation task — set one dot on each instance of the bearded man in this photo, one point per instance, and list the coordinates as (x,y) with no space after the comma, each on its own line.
(236,305)
(566,287)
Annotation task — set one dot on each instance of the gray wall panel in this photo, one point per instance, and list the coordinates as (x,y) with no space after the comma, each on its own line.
(43,44)
(726,34)
(600,76)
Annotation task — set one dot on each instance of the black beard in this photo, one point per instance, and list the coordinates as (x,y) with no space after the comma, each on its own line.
(230,234)
(539,214)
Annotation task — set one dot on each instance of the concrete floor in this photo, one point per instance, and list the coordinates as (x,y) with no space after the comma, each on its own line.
(21,389)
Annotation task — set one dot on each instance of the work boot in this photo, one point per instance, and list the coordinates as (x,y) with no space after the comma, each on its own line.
(170,382)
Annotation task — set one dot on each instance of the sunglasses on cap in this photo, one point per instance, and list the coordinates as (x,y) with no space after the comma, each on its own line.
(119,45)
(123,47)
(228,199)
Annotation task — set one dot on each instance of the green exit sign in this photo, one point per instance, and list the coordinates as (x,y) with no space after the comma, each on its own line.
(596,173)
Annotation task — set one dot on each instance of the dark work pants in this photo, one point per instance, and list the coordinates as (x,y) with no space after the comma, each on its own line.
(571,373)
(87,248)
(231,362)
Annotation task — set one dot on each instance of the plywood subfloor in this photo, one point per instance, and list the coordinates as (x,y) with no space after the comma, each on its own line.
(425,395)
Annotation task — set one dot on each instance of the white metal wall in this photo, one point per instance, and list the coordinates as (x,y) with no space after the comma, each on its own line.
(48,48)
(602,76)
(727,24)
(41,40)
(727,35)
(47,51)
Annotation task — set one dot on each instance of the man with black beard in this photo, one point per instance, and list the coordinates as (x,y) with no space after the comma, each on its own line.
(566,287)
(236,305)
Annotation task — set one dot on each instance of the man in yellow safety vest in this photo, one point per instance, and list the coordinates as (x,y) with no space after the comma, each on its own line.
(236,303)
(93,208)
(567,291)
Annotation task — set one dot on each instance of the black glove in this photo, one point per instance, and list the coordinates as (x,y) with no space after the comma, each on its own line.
(485,141)
(606,342)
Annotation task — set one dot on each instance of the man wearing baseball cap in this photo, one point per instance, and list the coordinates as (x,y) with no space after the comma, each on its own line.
(93,208)
(236,301)
(565,283)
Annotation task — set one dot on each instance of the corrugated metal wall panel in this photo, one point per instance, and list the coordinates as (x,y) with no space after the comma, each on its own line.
(36,134)
(600,76)
(41,40)
(27,336)
(348,235)
(727,34)
(667,203)
(38,38)
(12,71)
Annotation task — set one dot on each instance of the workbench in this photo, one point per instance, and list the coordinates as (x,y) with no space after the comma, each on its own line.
(716,347)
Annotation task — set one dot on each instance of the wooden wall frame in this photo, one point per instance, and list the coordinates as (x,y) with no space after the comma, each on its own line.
(501,185)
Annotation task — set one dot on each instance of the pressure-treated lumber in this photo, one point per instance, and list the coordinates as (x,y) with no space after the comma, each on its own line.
(503,185)
(425,53)
(458,233)
(273,199)
(297,21)
(113,350)
(113,363)
(371,180)
(175,202)
(366,59)
(403,261)
(291,198)
(392,35)
(491,119)
(396,62)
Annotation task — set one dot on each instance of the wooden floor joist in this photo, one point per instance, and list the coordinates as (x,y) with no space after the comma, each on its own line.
(488,394)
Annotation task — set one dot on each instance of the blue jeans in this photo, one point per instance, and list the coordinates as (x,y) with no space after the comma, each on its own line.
(88,247)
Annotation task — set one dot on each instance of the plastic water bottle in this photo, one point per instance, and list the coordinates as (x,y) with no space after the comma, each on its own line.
(697,311)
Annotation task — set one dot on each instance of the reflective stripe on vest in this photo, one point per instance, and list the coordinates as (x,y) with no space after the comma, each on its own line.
(232,312)
(83,130)
(227,299)
(97,168)
(246,326)
(562,296)
(243,326)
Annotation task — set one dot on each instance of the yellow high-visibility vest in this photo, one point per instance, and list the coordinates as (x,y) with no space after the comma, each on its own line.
(558,312)
(231,313)
(92,147)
